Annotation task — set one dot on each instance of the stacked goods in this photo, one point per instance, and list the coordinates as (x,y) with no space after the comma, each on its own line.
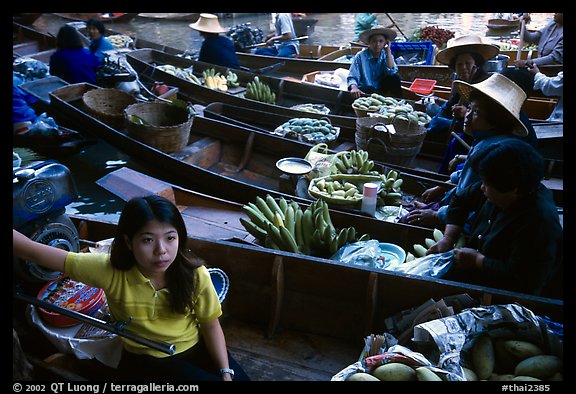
(120,40)
(214,80)
(500,359)
(399,109)
(397,372)
(312,108)
(184,73)
(341,189)
(371,103)
(435,34)
(259,91)
(283,225)
(308,130)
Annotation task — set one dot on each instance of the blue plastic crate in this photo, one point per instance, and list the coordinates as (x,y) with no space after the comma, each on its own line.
(423,49)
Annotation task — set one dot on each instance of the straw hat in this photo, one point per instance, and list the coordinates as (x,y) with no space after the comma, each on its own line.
(509,96)
(466,44)
(208,23)
(379,29)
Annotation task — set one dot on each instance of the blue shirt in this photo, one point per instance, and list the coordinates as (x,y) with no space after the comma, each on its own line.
(74,65)
(99,46)
(21,110)
(367,71)
(219,50)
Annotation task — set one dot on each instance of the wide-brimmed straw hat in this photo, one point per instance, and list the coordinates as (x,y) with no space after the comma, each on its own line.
(208,23)
(466,44)
(501,90)
(379,29)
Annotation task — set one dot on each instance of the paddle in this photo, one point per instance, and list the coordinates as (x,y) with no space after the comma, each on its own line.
(276,41)
(521,43)
(398,27)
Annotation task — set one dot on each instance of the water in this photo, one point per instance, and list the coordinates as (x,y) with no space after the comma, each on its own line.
(332,28)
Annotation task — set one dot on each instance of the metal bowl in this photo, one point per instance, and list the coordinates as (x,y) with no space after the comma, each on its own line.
(294,166)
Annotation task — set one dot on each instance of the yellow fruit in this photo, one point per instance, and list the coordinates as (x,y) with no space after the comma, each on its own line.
(425,374)
(483,358)
(395,372)
(542,366)
(362,377)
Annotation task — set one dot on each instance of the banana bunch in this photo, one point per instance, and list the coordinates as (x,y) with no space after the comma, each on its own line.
(420,250)
(283,225)
(353,162)
(341,189)
(120,40)
(390,192)
(232,79)
(259,91)
(373,102)
(214,80)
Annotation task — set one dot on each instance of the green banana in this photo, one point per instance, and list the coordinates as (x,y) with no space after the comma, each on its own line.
(253,229)
(273,205)
(289,240)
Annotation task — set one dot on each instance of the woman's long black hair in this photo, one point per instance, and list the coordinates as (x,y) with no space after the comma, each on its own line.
(138,212)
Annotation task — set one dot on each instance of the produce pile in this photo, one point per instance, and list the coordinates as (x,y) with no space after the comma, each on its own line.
(259,91)
(390,108)
(244,36)
(283,225)
(308,130)
(435,34)
(210,78)
(120,40)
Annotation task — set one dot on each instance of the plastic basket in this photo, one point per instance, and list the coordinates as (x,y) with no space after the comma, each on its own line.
(424,48)
(423,86)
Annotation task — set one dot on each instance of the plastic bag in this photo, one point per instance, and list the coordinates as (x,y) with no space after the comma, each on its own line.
(362,253)
(44,126)
(321,161)
(434,265)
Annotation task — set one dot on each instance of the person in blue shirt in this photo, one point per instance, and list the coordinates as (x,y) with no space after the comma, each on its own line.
(23,114)
(215,49)
(373,69)
(98,42)
(72,61)
(282,42)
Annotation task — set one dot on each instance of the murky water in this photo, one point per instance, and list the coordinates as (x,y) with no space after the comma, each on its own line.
(331,28)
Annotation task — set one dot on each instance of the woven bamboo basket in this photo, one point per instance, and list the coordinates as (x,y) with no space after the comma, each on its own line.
(107,105)
(373,135)
(167,127)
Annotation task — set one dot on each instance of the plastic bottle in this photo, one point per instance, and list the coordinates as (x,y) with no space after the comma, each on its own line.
(369,197)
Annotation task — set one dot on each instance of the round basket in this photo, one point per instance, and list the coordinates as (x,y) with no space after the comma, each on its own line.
(107,105)
(362,113)
(166,127)
(378,150)
(407,134)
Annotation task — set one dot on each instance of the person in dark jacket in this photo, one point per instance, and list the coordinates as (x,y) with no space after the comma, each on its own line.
(516,238)
(72,61)
(466,56)
(215,49)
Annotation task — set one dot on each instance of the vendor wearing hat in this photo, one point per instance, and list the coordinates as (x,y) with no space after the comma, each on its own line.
(493,115)
(373,69)
(466,56)
(216,49)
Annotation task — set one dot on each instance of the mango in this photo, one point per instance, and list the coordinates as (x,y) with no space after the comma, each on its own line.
(542,366)
(362,377)
(395,372)
(483,359)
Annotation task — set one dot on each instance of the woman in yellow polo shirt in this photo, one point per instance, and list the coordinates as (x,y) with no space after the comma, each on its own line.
(153,281)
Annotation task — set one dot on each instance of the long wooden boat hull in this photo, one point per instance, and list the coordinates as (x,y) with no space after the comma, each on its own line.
(221,159)
(276,293)
(172,16)
(104,17)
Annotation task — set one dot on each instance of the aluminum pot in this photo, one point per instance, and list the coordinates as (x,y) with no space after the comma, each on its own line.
(497,64)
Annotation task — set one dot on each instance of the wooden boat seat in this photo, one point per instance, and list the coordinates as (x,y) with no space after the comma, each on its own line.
(204,152)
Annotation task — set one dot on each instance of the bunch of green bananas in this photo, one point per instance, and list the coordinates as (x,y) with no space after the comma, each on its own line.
(232,79)
(353,162)
(259,91)
(390,192)
(283,225)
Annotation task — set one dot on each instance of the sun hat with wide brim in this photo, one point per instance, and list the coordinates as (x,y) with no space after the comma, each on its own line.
(466,44)
(208,23)
(385,31)
(501,90)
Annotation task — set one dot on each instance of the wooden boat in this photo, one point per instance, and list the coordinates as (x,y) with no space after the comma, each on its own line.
(287,317)
(304,25)
(67,142)
(171,16)
(104,17)
(499,24)
(26,18)
(221,159)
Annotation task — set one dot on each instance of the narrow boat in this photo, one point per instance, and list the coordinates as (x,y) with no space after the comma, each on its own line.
(500,24)
(287,317)
(220,159)
(104,17)
(170,16)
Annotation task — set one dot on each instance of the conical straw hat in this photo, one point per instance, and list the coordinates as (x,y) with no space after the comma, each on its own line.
(390,34)
(500,89)
(208,23)
(466,44)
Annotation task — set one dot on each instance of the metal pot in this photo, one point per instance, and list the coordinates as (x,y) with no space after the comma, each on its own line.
(497,64)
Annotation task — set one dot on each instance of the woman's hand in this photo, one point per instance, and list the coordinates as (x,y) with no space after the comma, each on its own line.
(433,194)
(468,258)
(355,92)
(444,245)
(423,217)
